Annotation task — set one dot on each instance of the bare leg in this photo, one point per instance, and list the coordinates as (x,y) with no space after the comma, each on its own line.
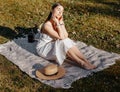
(79,54)
(75,55)
(72,56)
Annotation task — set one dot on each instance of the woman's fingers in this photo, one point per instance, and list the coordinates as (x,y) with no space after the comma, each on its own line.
(55,19)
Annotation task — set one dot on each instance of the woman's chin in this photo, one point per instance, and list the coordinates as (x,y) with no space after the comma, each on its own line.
(58,17)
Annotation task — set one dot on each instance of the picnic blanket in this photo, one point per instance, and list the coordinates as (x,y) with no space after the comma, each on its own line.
(23,54)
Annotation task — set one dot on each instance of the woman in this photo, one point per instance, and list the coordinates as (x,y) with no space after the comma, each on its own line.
(54,43)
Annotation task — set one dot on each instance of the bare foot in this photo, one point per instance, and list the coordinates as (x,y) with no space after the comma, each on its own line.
(93,66)
(88,66)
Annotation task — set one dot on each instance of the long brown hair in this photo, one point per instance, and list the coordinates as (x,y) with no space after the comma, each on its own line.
(53,7)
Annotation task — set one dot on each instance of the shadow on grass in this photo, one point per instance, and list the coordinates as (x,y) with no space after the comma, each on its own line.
(113,10)
(24,31)
(115,3)
(21,32)
(7,32)
(18,32)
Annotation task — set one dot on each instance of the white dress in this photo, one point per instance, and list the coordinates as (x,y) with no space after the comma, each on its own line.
(53,50)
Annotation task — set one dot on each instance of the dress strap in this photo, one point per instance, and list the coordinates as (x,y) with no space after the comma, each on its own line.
(40,27)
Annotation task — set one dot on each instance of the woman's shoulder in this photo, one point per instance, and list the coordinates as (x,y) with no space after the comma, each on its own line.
(47,24)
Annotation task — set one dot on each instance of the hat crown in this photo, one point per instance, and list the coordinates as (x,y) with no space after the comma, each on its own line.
(50,69)
(54,71)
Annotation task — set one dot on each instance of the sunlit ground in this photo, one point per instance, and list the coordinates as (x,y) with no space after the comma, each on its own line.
(95,22)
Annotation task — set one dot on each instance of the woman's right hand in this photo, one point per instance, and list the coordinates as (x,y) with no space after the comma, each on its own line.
(55,20)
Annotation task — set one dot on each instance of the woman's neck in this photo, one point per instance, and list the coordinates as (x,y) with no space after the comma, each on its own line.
(53,24)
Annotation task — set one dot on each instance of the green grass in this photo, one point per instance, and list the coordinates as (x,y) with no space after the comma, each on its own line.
(95,22)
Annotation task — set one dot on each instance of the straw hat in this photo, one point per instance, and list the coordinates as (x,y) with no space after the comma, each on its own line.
(50,72)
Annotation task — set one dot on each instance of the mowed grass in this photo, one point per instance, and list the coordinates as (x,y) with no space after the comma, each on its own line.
(95,22)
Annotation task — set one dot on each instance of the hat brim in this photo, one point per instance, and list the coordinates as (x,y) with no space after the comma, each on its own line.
(61,73)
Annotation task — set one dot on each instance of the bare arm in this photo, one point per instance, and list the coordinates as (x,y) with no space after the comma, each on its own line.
(61,31)
(50,31)
(61,22)
(64,30)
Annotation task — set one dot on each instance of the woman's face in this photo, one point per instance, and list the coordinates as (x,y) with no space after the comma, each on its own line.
(58,11)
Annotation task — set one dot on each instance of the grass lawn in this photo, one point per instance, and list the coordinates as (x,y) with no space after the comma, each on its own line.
(95,22)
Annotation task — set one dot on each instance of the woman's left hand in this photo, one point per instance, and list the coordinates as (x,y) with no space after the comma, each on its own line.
(61,20)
